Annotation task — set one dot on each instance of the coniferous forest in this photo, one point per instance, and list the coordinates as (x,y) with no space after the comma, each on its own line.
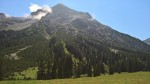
(66,60)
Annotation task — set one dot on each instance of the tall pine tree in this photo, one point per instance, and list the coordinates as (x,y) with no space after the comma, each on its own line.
(1,70)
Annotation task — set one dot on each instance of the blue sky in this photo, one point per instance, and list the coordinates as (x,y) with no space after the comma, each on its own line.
(127,16)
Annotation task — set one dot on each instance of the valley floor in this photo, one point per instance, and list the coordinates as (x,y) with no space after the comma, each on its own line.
(123,78)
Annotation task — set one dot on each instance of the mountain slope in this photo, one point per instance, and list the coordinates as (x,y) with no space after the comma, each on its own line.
(80,23)
(147,41)
(15,23)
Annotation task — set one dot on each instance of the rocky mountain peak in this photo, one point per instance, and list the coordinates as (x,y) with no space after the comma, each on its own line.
(60,6)
(62,9)
(63,14)
(2,16)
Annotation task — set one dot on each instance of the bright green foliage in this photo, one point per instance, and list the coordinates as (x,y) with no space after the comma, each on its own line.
(29,74)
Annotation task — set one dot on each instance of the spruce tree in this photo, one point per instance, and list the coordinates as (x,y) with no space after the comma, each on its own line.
(60,68)
(102,68)
(111,71)
(78,71)
(1,70)
(41,75)
(89,71)
(54,72)
(48,70)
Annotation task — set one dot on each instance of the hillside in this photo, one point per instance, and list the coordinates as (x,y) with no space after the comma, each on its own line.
(80,23)
(147,41)
(68,43)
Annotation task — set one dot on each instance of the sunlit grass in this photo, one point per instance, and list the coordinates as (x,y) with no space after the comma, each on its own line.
(123,78)
(30,73)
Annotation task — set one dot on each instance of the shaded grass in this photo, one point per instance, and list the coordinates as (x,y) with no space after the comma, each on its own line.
(123,78)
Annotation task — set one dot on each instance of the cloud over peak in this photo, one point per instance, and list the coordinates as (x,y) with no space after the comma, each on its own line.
(47,9)
(35,7)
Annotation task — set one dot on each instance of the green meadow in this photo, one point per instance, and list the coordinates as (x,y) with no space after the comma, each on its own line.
(123,78)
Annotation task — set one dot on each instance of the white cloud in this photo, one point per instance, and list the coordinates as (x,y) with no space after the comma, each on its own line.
(7,15)
(47,8)
(93,17)
(34,7)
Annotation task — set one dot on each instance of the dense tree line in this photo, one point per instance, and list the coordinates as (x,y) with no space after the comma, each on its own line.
(87,58)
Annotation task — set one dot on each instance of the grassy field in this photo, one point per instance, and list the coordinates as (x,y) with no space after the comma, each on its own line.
(123,78)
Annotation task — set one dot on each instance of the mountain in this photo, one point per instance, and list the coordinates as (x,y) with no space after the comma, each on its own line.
(147,41)
(81,23)
(14,23)
(68,43)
